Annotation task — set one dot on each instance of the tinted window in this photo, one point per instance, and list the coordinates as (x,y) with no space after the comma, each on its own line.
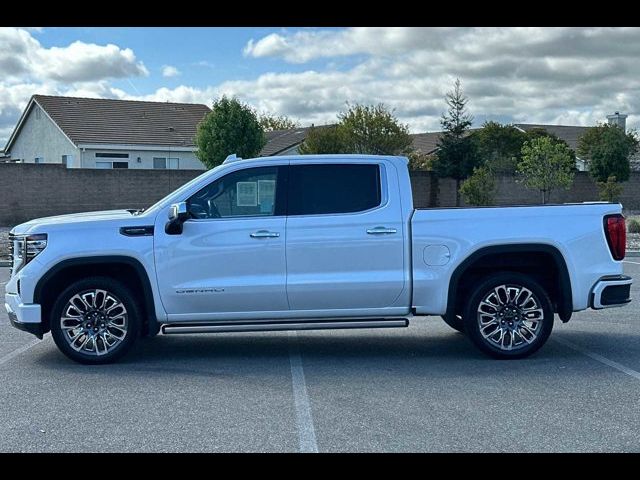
(333,188)
(249,192)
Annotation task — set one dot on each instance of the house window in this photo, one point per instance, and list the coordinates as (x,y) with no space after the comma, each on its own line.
(39,160)
(109,165)
(159,162)
(67,160)
(111,155)
(163,163)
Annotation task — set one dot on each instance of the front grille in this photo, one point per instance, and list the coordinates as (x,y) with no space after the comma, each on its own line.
(11,240)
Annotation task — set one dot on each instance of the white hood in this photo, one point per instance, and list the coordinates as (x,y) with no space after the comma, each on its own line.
(85,217)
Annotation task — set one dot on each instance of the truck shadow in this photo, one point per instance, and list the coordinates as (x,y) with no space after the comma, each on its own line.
(261,352)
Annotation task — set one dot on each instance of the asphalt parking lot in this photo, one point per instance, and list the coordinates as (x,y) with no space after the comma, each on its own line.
(423,388)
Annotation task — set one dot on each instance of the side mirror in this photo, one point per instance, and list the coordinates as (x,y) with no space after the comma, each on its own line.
(178,214)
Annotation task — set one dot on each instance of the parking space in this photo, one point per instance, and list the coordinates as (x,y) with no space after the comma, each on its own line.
(423,388)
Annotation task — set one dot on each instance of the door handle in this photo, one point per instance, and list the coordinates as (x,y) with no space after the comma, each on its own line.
(381,231)
(264,234)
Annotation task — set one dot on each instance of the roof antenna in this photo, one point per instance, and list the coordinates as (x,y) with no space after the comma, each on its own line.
(231,158)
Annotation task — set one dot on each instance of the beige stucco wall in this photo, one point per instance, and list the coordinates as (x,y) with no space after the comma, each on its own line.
(40,137)
(188,160)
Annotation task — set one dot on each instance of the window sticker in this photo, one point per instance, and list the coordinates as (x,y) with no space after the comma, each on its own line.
(247,194)
(266,190)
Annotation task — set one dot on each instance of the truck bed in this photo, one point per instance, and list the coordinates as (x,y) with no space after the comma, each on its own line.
(442,238)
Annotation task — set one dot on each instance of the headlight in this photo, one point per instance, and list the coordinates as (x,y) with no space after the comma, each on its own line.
(25,248)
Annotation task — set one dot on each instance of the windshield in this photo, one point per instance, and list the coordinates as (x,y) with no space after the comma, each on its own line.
(184,187)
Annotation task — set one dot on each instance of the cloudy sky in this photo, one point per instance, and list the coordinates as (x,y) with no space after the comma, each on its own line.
(571,76)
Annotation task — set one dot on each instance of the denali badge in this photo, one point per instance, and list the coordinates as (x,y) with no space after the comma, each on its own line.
(199,290)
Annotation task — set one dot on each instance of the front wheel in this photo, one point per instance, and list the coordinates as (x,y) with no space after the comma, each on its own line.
(508,316)
(95,320)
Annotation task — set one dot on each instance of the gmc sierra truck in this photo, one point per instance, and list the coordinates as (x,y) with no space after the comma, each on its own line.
(311,242)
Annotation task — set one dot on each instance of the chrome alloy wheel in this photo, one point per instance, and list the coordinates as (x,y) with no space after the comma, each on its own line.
(510,317)
(94,322)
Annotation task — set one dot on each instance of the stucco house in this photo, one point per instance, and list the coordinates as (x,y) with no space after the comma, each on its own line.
(106,133)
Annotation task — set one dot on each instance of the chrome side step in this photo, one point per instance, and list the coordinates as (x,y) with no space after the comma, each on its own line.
(175,328)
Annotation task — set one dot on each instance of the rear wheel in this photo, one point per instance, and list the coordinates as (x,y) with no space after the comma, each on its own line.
(95,320)
(509,315)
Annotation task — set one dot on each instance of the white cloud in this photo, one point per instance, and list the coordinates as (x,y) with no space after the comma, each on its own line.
(534,75)
(23,56)
(170,71)
(305,45)
(547,75)
(80,69)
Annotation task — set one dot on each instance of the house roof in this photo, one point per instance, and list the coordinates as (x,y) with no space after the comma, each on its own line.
(569,133)
(426,142)
(128,122)
(281,140)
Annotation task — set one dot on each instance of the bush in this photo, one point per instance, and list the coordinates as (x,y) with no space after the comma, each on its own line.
(479,188)
(633,226)
(420,161)
(610,190)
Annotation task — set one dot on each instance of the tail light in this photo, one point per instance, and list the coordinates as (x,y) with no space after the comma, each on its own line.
(615,230)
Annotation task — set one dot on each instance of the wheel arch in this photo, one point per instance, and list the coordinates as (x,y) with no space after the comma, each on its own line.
(117,266)
(564,295)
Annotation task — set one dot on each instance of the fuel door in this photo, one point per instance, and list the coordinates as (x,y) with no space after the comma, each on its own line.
(436,255)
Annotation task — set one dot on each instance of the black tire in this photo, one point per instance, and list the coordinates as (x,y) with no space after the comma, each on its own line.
(131,316)
(505,314)
(455,322)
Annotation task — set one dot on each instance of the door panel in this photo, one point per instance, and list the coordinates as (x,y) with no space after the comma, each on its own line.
(229,258)
(217,266)
(332,260)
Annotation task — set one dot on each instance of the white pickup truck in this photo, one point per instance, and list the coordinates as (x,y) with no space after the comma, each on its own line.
(311,242)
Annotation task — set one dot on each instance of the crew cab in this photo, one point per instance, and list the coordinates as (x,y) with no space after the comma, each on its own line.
(311,242)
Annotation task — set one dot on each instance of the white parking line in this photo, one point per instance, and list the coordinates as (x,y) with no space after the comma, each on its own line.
(304,420)
(18,351)
(629,261)
(600,358)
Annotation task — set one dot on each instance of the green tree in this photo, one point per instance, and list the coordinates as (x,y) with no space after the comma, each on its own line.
(546,165)
(373,129)
(607,149)
(456,156)
(419,160)
(230,127)
(326,139)
(270,122)
(367,129)
(479,188)
(499,146)
(610,190)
